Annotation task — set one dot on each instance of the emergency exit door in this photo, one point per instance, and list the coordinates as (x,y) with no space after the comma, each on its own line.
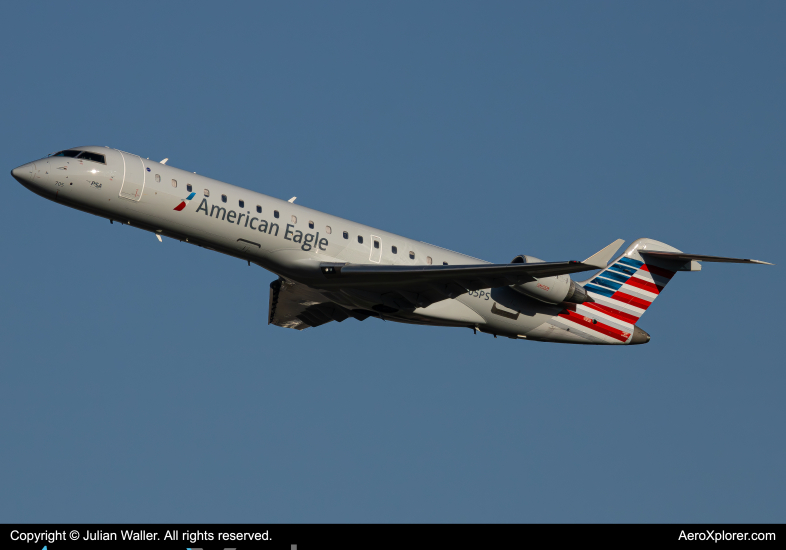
(376,249)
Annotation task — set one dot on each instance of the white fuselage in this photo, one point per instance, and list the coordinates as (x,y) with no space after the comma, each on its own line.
(286,238)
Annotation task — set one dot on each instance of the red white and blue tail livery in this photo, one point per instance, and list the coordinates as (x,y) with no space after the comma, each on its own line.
(626,289)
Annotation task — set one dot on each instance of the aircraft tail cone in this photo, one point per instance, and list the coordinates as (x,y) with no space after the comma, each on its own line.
(639,336)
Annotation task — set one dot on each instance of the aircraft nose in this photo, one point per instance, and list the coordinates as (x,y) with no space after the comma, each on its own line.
(21,173)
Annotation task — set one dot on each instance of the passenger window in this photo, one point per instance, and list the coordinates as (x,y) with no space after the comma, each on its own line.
(428,260)
(328,230)
(346,235)
(394,250)
(207,192)
(174,184)
(411,255)
(158,178)
(189,188)
(275,213)
(444,263)
(223,198)
(376,243)
(310,224)
(241,204)
(360,239)
(259,209)
(294,218)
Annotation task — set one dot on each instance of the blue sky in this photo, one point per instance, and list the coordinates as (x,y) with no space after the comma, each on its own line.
(140,381)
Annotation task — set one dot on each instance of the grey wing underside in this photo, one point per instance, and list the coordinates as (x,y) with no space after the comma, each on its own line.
(393,288)
(293,305)
(360,291)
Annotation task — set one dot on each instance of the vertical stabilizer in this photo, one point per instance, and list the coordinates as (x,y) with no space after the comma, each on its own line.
(624,290)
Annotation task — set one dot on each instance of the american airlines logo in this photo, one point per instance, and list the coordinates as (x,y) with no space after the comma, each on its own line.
(182,205)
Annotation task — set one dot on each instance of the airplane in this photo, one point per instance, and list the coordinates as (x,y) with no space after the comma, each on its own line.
(331,269)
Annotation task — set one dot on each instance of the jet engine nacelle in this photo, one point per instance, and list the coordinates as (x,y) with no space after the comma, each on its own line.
(552,290)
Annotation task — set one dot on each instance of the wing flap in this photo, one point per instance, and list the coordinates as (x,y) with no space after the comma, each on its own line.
(297,306)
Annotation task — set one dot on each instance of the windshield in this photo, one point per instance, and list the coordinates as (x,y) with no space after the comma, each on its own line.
(69,153)
(82,155)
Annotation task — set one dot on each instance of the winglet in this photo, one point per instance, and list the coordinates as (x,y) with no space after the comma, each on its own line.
(601,259)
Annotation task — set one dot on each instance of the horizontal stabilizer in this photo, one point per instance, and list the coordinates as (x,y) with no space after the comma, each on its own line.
(681,256)
(601,259)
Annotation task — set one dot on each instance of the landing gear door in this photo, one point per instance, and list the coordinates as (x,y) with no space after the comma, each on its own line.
(133,177)
(376,249)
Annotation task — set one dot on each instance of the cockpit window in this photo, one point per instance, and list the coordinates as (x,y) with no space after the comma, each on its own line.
(95,157)
(84,155)
(69,153)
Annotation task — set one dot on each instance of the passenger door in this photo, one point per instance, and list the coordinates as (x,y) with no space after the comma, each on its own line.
(133,177)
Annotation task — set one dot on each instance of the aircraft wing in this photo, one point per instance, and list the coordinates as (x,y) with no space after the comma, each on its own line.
(487,275)
(403,287)
(293,305)
(361,290)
